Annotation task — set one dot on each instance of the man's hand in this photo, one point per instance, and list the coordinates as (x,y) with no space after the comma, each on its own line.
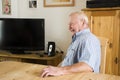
(57,71)
(52,71)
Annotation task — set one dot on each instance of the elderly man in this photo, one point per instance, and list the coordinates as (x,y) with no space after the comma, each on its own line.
(83,54)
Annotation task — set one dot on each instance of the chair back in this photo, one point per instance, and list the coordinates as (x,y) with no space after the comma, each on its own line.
(104,44)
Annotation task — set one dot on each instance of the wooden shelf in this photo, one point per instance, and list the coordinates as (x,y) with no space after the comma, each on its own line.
(32,58)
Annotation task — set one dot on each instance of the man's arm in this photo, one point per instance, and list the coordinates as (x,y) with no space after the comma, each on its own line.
(78,67)
(57,71)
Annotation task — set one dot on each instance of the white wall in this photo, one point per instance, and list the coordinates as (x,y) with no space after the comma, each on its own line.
(56,19)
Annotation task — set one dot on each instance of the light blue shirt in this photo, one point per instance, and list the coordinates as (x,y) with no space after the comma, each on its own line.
(85,47)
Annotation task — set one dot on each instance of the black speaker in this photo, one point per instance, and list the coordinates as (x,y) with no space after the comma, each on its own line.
(51,49)
(102,3)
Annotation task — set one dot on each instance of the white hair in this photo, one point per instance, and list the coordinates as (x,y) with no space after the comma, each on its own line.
(81,16)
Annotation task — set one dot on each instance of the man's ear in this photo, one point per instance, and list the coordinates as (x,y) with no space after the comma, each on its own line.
(83,21)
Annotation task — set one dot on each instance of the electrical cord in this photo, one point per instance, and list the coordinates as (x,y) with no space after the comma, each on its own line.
(60,50)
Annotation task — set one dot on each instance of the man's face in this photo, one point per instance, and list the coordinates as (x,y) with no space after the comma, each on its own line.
(75,24)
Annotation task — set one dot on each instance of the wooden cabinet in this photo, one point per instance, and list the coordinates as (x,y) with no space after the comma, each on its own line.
(105,22)
(31,58)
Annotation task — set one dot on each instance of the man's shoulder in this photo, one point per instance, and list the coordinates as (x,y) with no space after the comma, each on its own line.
(88,37)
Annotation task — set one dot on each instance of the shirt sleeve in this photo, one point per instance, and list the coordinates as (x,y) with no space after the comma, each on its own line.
(90,53)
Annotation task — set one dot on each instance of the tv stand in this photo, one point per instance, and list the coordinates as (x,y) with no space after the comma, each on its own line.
(31,58)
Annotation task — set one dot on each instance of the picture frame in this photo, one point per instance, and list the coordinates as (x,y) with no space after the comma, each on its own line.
(6,7)
(59,3)
(32,3)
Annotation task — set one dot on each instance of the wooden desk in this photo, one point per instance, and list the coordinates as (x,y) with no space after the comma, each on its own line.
(26,71)
(31,58)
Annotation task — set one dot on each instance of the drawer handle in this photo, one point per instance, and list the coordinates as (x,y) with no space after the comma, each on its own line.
(116,60)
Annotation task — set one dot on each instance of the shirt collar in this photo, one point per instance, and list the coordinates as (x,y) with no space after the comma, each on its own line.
(79,33)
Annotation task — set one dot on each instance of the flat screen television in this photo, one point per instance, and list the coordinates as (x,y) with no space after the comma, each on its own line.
(19,34)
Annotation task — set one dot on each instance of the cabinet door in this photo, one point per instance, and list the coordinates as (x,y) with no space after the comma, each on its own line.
(104,23)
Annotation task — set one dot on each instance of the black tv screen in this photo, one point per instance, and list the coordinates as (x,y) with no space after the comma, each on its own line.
(17,34)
